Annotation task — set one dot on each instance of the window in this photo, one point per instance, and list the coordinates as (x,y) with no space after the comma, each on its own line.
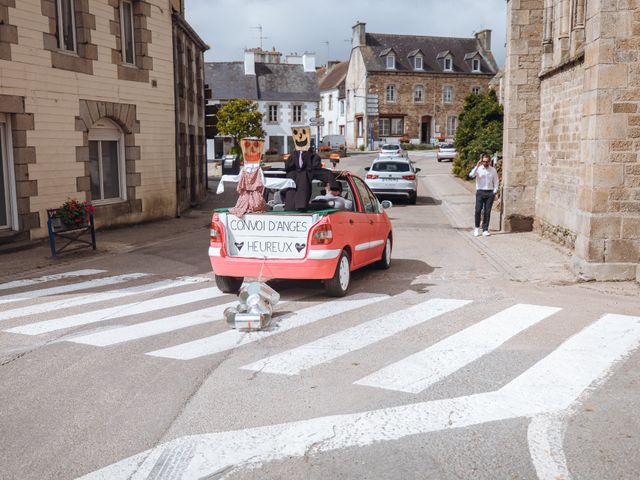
(448,64)
(390,93)
(363,191)
(359,126)
(452,124)
(330,128)
(66,24)
(330,102)
(418,94)
(475,90)
(7,183)
(391,127)
(297,113)
(106,161)
(417,62)
(341,130)
(273,113)
(341,107)
(391,61)
(475,65)
(126,24)
(447,94)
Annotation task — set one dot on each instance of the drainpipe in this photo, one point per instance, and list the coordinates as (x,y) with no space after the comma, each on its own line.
(177,113)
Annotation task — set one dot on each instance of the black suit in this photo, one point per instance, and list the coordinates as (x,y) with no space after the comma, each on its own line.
(311,168)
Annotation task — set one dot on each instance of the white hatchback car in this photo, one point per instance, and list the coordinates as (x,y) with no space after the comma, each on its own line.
(393,150)
(393,177)
(446,151)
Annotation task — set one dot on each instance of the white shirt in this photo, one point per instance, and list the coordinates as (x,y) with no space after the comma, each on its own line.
(486,178)
(339,202)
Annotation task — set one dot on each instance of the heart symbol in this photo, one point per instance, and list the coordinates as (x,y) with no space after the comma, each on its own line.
(300,246)
(239,245)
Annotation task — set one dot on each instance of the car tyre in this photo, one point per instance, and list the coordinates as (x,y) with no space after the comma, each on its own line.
(338,285)
(229,284)
(385,260)
(413,198)
(439,159)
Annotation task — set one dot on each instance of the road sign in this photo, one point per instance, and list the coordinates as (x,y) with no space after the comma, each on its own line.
(316,121)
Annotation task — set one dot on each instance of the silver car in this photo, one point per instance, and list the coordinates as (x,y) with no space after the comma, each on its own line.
(393,177)
(393,150)
(446,151)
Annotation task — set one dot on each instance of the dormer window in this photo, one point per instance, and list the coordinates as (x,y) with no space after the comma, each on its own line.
(475,65)
(391,61)
(448,64)
(417,62)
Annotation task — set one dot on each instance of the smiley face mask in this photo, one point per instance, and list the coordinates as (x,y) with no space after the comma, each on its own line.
(301,138)
(251,149)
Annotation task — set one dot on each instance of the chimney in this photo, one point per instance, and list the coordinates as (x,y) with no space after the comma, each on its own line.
(331,64)
(249,62)
(293,59)
(484,38)
(309,62)
(358,35)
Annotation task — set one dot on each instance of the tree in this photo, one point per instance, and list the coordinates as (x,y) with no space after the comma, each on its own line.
(238,119)
(479,130)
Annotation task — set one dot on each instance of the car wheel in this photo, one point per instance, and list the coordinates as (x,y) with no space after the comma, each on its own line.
(385,260)
(229,284)
(439,159)
(413,198)
(337,285)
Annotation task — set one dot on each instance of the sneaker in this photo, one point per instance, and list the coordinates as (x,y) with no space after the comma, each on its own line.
(476,232)
(486,233)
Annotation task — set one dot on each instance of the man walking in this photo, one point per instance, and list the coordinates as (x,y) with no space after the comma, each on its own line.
(486,188)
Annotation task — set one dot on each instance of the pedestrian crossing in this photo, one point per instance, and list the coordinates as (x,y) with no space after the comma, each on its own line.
(105,312)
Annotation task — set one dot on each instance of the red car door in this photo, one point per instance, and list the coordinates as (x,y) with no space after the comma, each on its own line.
(366,223)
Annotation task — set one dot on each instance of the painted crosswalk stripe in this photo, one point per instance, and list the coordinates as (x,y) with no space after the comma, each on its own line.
(417,372)
(74,287)
(122,310)
(98,297)
(48,278)
(232,339)
(328,348)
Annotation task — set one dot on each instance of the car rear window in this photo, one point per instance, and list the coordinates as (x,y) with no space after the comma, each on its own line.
(448,145)
(391,147)
(390,167)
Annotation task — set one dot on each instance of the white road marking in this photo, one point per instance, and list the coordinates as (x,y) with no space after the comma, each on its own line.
(419,371)
(98,297)
(328,348)
(48,278)
(74,287)
(122,310)
(232,339)
(551,385)
(544,435)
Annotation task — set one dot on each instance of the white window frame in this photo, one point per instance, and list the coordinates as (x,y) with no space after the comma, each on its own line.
(293,114)
(448,64)
(122,33)
(417,63)
(391,61)
(104,130)
(341,102)
(9,174)
(60,24)
(390,88)
(475,65)
(419,88)
(447,94)
(269,116)
(452,124)
(476,89)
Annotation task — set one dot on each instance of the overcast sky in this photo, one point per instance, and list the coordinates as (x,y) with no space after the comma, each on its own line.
(228,26)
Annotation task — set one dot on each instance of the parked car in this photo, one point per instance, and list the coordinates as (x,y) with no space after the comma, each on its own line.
(230,165)
(446,151)
(333,148)
(393,177)
(323,243)
(393,150)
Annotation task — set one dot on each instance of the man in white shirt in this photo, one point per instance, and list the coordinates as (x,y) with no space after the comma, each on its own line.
(486,188)
(334,194)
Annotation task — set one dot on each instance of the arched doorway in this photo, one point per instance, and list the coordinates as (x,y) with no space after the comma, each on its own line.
(425,129)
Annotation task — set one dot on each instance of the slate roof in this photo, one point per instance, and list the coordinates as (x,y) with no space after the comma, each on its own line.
(406,45)
(335,78)
(272,82)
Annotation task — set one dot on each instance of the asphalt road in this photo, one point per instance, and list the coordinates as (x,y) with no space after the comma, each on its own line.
(464,360)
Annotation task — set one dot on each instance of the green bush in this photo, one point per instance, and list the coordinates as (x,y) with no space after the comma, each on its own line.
(361,148)
(419,146)
(480,126)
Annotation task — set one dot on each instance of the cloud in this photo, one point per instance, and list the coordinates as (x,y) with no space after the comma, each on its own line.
(230,26)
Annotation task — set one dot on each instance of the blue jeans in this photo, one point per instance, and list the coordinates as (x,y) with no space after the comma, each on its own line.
(484,202)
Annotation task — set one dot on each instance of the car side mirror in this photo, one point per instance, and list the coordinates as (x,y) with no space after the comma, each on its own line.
(366,169)
(417,170)
(386,204)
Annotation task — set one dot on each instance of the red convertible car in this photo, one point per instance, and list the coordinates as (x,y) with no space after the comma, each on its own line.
(323,243)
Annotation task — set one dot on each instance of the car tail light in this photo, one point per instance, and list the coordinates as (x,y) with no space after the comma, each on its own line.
(371,176)
(216,233)
(322,235)
(408,177)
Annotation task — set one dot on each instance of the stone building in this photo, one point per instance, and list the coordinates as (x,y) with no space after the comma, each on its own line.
(419,82)
(572,130)
(88,110)
(332,98)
